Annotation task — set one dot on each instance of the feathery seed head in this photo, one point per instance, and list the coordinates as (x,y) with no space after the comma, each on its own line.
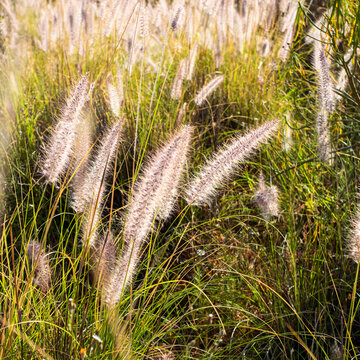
(173,173)
(82,147)
(92,189)
(266,198)
(143,22)
(60,146)
(178,81)
(103,258)
(222,165)
(316,33)
(181,115)
(39,259)
(191,62)
(208,89)
(336,351)
(323,136)
(266,47)
(321,65)
(286,44)
(177,19)
(120,88)
(114,98)
(353,244)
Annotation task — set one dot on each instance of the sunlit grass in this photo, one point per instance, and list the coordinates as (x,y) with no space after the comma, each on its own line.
(217,281)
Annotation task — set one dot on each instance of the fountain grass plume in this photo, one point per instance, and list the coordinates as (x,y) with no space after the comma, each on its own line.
(353,243)
(174,173)
(290,9)
(265,49)
(222,165)
(177,18)
(114,98)
(208,89)
(178,81)
(82,148)
(90,225)
(266,197)
(181,115)
(60,145)
(325,83)
(191,62)
(103,258)
(326,102)
(39,260)
(149,197)
(143,21)
(323,136)
(92,188)
(120,86)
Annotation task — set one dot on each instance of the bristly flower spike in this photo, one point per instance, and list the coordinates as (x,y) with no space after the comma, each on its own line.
(39,259)
(92,189)
(321,65)
(326,101)
(114,98)
(222,165)
(266,198)
(323,136)
(173,174)
(208,89)
(87,196)
(191,62)
(177,19)
(103,258)
(59,149)
(82,149)
(353,244)
(178,81)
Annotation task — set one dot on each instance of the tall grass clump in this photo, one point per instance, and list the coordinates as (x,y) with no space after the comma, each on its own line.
(117,118)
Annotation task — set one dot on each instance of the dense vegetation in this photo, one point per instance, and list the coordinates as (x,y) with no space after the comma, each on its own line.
(100,101)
